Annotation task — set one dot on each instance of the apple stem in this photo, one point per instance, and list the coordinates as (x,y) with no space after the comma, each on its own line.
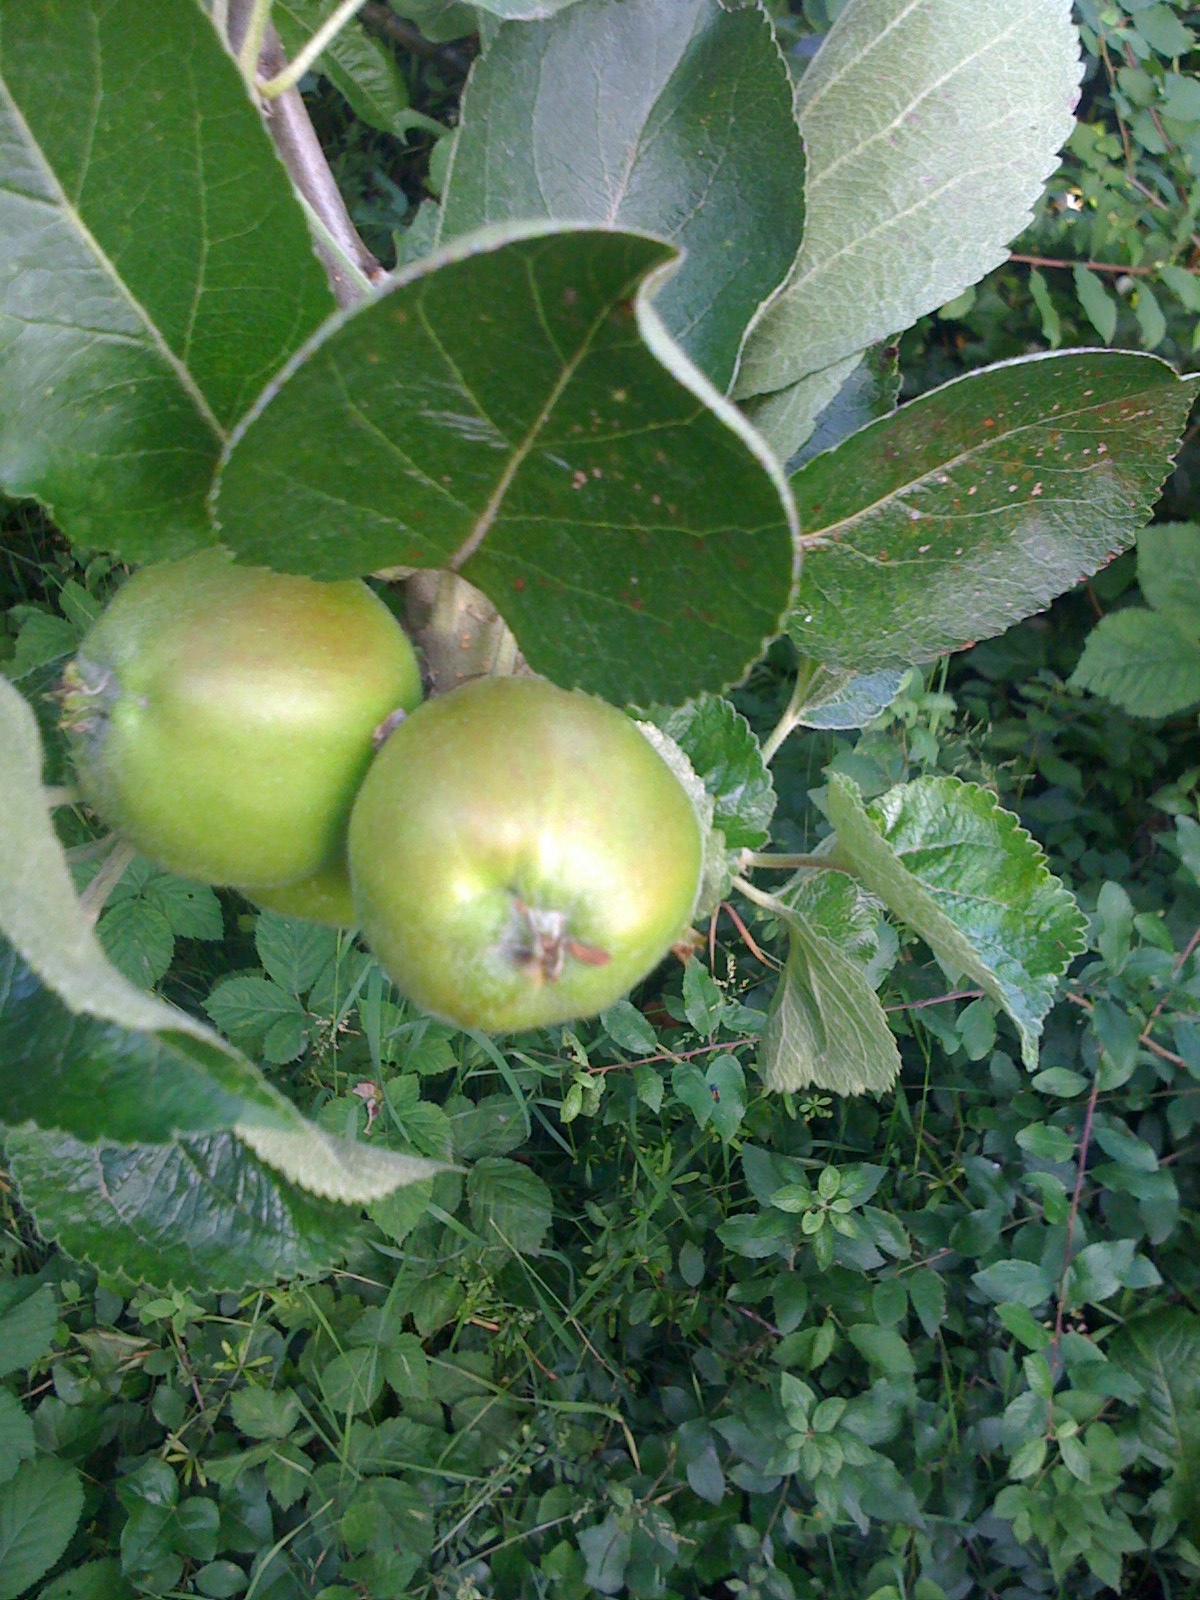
(94,897)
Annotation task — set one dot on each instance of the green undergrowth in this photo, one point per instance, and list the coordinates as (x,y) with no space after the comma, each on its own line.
(662,1333)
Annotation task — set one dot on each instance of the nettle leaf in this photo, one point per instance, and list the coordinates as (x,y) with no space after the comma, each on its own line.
(726,757)
(513,410)
(1148,662)
(39,1508)
(920,169)
(1162,1351)
(200,1213)
(977,504)
(673,116)
(826,1028)
(963,873)
(128,350)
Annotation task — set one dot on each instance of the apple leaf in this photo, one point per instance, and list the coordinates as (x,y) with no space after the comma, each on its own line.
(155,268)
(512,409)
(978,503)
(673,116)
(962,873)
(725,756)
(930,130)
(826,1028)
(838,698)
(869,392)
(199,1213)
(788,418)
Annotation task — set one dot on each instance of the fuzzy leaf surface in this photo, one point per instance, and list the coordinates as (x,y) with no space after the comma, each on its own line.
(930,129)
(200,1213)
(513,410)
(977,504)
(155,268)
(670,115)
(826,1028)
(946,859)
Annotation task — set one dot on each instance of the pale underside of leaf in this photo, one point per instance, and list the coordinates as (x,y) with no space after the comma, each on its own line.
(1141,661)
(826,1028)
(930,126)
(962,873)
(344,1170)
(673,116)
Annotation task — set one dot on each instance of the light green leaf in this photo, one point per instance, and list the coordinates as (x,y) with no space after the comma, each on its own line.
(1099,306)
(265,1413)
(359,66)
(510,1205)
(788,419)
(964,874)
(673,116)
(1168,562)
(883,1348)
(920,170)
(726,1083)
(839,698)
(144,302)
(1141,661)
(512,409)
(725,755)
(39,1508)
(826,1027)
(978,503)
(137,939)
(199,1214)
(1098,1272)
(294,952)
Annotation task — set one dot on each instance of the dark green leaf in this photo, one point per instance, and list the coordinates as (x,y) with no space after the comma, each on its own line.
(964,874)
(920,172)
(978,503)
(1168,561)
(1023,1282)
(725,755)
(94,1580)
(294,952)
(511,409)
(510,1205)
(265,1413)
(137,939)
(39,1508)
(1162,1351)
(28,1316)
(882,1348)
(1098,1272)
(145,300)
(672,116)
(16,1433)
(727,1087)
(200,1213)
(606,1550)
(868,393)
(359,66)
(826,1027)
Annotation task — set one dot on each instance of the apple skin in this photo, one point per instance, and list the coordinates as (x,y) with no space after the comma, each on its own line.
(521,855)
(323,897)
(221,717)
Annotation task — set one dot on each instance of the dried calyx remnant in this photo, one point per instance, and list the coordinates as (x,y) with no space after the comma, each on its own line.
(537,943)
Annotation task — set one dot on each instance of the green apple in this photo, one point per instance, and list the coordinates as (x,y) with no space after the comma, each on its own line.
(221,717)
(521,855)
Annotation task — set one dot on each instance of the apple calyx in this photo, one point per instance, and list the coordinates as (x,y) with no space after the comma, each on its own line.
(85,696)
(537,943)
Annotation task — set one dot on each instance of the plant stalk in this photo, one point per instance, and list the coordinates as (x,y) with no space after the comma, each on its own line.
(272,88)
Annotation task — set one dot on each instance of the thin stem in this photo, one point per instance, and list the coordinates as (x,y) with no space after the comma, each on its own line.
(791,716)
(1085,1139)
(760,898)
(324,36)
(252,43)
(1092,266)
(96,894)
(786,863)
(220,19)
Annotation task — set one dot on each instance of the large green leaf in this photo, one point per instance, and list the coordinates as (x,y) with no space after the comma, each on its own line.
(930,130)
(200,1213)
(947,860)
(39,1508)
(975,505)
(83,1051)
(673,116)
(512,409)
(1142,661)
(826,1028)
(155,268)
(1162,1351)
(725,755)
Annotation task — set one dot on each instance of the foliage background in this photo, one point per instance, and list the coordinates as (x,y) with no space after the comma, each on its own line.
(667,1334)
